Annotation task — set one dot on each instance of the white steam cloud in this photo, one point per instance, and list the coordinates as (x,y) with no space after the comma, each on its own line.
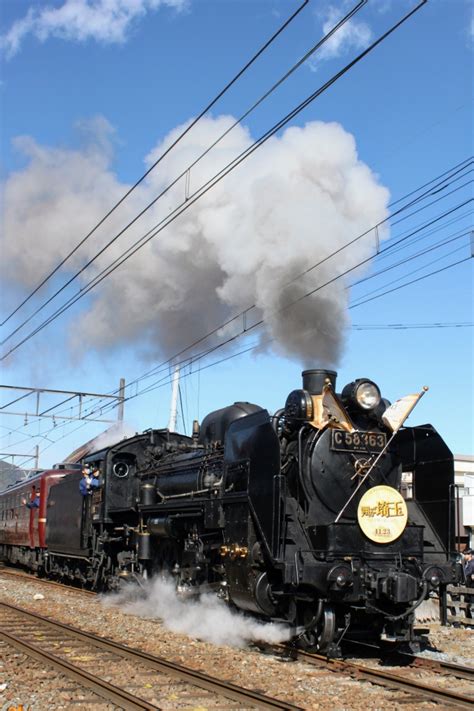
(206,618)
(112,435)
(105,21)
(299,198)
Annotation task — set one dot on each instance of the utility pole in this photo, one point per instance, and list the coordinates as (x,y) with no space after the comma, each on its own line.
(174,401)
(121,400)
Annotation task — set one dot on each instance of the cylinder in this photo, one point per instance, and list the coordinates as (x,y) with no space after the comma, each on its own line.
(313,380)
(144,546)
(147,494)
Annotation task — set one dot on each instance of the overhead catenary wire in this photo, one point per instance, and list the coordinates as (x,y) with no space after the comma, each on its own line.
(221,174)
(257,324)
(442,243)
(356,327)
(414,271)
(205,353)
(452,326)
(411,326)
(161,157)
(419,231)
(424,234)
(185,173)
(165,381)
(392,246)
(160,383)
(450,171)
(413,281)
(170,218)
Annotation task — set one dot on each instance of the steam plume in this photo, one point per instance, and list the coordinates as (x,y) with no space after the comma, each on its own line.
(206,618)
(295,201)
(112,435)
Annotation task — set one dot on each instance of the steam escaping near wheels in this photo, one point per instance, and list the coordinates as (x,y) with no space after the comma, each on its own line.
(205,617)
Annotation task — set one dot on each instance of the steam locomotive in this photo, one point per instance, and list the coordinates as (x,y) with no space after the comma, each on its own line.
(295,517)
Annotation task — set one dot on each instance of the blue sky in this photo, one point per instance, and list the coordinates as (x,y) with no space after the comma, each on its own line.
(92,91)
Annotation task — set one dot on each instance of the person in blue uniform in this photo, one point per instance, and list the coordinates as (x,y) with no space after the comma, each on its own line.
(95,479)
(85,483)
(34,501)
(90,481)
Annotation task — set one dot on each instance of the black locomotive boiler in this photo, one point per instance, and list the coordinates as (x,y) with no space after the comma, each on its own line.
(295,517)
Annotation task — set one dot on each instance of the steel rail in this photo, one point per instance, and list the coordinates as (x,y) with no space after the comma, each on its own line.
(376,676)
(429,663)
(102,688)
(194,677)
(439,666)
(446,668)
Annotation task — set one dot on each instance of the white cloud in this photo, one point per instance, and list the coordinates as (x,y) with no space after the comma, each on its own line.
(106,21)
(352,35)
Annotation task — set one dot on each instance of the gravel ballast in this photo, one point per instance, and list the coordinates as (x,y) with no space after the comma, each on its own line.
(23,681)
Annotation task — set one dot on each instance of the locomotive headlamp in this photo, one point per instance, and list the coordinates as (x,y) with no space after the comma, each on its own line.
(367,395)
(361,393)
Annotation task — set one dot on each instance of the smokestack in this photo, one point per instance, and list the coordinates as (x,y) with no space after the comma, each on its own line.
(313,380)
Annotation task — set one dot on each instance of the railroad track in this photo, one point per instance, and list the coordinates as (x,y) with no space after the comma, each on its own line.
(29,577)
(88,659)
(356,670)
(421,690)
(415,661)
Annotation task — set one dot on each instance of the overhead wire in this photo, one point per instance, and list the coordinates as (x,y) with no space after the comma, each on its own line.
(425,234)
(456,168)
(405,237)
(358,327)
(427,275)
(410,326)
(259,323)
(244,155)
(303,273)
(163,155)
(411,257)
(175,180)
(413,281)
(205,353)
